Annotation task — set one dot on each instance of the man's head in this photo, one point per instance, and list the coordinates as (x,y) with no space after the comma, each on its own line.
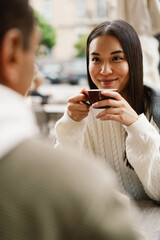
(18,39)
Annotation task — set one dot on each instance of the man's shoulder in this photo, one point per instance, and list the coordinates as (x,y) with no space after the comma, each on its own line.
(32,147)
(37,164)
(39,152)
(73,192)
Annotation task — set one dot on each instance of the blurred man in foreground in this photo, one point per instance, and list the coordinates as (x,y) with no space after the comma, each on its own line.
(45,194)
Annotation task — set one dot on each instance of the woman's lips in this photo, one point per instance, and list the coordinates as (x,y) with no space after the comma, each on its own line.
(107,81)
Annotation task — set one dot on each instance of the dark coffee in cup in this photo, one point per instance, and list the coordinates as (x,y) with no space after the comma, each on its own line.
(95,95)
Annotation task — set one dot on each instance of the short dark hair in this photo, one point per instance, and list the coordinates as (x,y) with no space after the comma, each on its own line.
(130,43)
(16,14)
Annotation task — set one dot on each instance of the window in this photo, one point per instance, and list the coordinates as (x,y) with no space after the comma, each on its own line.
(102,8)
(47,9)
(81,8)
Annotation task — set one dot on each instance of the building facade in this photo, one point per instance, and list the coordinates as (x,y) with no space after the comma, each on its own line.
(72,18)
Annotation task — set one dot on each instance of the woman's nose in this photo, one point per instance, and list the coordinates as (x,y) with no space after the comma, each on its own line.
(106,69)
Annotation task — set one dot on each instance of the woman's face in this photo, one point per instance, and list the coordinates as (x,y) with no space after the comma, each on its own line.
(108,66)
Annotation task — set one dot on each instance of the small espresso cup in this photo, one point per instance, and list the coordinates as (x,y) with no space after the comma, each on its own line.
(95,95)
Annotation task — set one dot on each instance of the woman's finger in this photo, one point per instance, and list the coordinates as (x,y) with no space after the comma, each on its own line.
(77,98)
(115,111)
(108,102)
(78,107)
(111,94)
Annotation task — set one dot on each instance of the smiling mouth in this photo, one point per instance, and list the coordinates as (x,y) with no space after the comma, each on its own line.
(108,80)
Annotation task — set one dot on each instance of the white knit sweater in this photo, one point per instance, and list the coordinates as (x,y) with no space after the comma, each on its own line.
(109,140)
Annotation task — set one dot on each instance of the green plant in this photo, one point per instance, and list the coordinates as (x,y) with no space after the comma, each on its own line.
(80,45)
(48,32)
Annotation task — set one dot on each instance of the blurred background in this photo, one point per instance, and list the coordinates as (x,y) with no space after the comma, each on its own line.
(60,61)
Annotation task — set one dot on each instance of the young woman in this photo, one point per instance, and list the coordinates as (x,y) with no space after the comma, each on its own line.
(126,135)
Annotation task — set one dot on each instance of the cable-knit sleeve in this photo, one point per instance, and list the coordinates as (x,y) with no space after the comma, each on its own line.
(69,132)
(143,152)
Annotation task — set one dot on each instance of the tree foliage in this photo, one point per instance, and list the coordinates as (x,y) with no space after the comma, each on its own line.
(48,32)
(80,45)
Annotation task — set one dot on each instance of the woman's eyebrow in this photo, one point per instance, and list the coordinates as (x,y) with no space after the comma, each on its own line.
(94,53)
(114,52)
(118,51)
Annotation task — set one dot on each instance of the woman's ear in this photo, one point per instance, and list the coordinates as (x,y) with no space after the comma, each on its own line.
(11,56)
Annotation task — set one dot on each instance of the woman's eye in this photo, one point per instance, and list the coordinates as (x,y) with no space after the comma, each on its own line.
(117,58)
(95,59)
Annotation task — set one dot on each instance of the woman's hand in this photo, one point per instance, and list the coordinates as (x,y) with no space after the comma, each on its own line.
(77,107)
(119,110)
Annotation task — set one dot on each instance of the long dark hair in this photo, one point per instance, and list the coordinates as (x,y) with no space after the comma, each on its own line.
(130,43)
